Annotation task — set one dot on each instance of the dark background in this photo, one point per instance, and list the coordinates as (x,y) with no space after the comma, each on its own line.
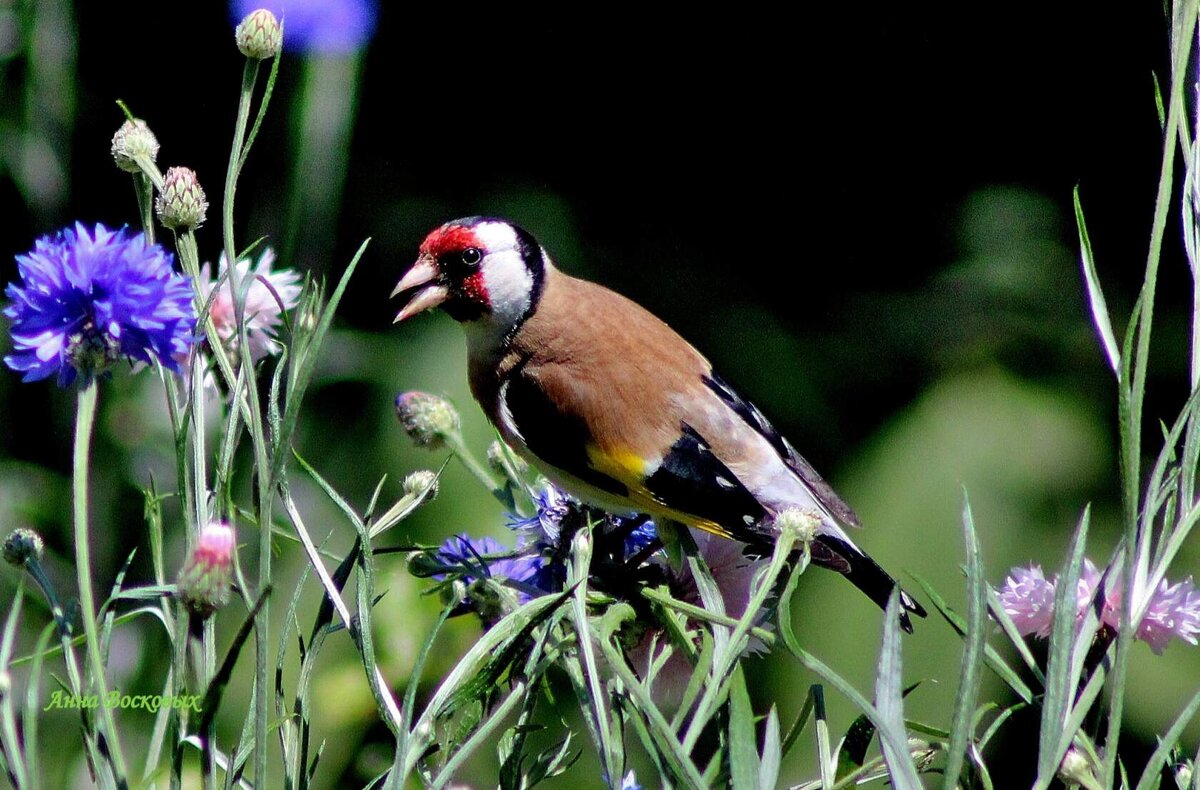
(858,214)
(790,163)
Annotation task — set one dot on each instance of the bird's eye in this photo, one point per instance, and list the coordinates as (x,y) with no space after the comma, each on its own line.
(471,256)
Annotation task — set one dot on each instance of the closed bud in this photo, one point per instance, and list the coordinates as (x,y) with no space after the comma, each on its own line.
(1183,775)
(132,141)
(23,546)
(259,35)
(207,576)
(1076,770)
(500,459)
(427,419)
(424,564)
(181,203)
(421,483)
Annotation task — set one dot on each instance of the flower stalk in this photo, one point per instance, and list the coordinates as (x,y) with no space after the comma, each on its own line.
(84,420)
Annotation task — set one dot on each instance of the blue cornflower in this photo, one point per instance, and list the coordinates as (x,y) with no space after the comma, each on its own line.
(478,558)
(553,505)
(641,537)
(89,297)
(326,27)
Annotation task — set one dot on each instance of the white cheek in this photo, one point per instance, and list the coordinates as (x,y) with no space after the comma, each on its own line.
(496,235)
(509,287)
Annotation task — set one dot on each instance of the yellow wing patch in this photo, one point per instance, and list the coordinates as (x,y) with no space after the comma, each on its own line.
(630,469)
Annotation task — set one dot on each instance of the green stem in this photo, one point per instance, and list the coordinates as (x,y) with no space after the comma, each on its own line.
(249,76)
(459,448)
(261,623)
(144,189)
(1183,28)
(84,419)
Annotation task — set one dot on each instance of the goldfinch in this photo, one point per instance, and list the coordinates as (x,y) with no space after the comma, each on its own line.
(616,408)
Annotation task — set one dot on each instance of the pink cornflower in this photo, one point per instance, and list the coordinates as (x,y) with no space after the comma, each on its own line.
(271,293)
(1172,611)
(1028,598)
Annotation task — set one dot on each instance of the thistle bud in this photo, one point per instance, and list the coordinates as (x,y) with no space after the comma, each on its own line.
(131,142)
(206,578)
(181,203)
(421,483)
(427,419)
(259,35)
(23,546)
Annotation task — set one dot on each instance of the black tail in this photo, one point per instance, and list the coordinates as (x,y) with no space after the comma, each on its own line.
(864,573)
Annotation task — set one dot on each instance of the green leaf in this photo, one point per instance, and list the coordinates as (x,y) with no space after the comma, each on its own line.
(1095,295)
(992,658)
(1153,770)
(743,752)
(853,751)
(962,730)
(216,688)
(893,739)
(772,753)
(802,717)
(1059,693)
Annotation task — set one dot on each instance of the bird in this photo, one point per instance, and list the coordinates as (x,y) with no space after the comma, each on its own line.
(616,408)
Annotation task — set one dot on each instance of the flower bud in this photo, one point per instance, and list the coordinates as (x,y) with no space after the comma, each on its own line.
(421,483)
(427,419)
(802,523)
(499,460)
(424,564)
(1076,770)
(259,35)
(1183,775)
(206,578)
(133,140)
(181,203)
(23,546)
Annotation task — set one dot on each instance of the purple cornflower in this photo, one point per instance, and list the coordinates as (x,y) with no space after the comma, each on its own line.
(1028,598)
(89,297)
(325,27)
(1173,610)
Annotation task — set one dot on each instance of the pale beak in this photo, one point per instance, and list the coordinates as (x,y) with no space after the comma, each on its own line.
(426,292)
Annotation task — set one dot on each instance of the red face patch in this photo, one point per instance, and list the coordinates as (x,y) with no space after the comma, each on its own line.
(449,238)
(474,289)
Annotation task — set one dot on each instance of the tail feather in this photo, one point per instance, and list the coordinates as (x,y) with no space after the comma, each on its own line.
(865,574)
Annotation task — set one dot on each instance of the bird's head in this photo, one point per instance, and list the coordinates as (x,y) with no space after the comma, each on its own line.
(477,269)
